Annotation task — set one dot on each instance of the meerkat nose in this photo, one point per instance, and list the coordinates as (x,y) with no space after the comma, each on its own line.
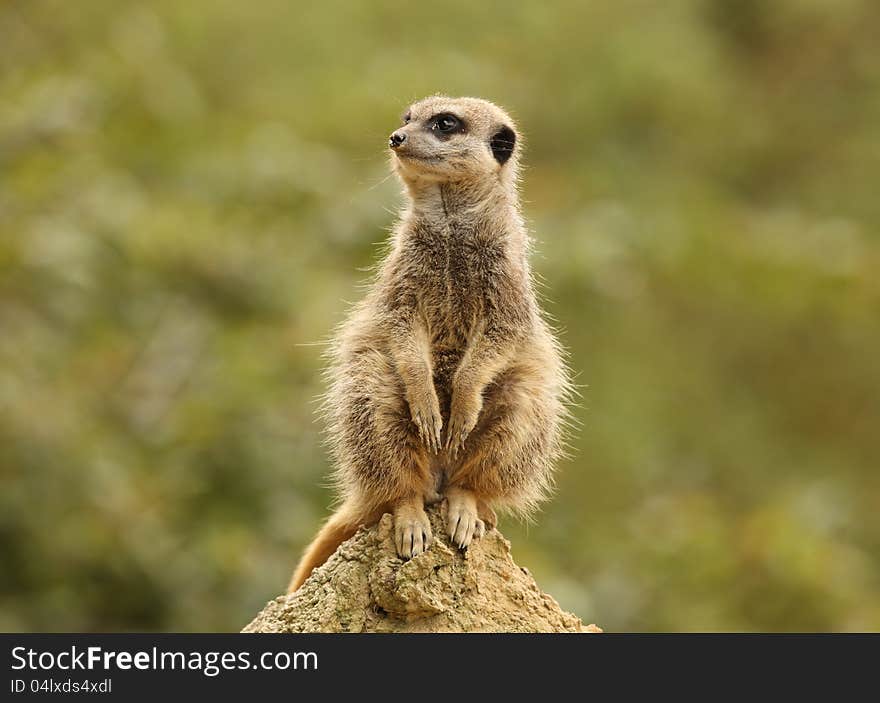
(396,139)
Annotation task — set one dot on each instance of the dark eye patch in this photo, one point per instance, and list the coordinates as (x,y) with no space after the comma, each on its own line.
(445,124)
(407,117)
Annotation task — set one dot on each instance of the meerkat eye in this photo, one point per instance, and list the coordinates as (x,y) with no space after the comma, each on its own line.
(446,123)
(407,117)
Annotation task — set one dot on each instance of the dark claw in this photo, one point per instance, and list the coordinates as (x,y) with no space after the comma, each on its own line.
(454,529)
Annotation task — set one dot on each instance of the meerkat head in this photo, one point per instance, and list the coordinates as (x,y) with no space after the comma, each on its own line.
(454,139)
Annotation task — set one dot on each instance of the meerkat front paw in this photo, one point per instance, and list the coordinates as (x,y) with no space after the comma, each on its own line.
(462,522)
(463,416)
(425,411)
(412,530)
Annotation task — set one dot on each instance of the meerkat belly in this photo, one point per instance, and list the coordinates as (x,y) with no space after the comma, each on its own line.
(445,361)
(459,308)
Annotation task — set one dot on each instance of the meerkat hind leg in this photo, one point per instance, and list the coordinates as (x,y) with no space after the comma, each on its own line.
(487,514)
(412,530)
(463,523)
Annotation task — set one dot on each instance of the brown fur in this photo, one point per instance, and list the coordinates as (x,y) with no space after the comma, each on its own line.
(445,381)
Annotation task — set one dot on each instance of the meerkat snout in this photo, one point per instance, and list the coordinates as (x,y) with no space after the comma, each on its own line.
(396,139)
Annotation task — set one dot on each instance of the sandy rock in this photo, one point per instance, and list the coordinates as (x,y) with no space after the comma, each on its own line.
(366,587)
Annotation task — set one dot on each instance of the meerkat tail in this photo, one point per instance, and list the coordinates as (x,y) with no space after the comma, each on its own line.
(339,527)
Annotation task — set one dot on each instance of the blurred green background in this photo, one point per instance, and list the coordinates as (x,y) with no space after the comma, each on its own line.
(190,193)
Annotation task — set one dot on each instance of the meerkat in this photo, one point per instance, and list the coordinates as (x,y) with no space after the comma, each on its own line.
(446,382)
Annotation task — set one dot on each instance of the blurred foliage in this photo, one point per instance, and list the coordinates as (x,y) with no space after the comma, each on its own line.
(190,192)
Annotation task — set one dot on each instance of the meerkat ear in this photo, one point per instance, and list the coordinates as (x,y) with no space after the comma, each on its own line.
(502,143)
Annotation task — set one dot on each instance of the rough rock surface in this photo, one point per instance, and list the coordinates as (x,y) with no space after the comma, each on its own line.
(365,587)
